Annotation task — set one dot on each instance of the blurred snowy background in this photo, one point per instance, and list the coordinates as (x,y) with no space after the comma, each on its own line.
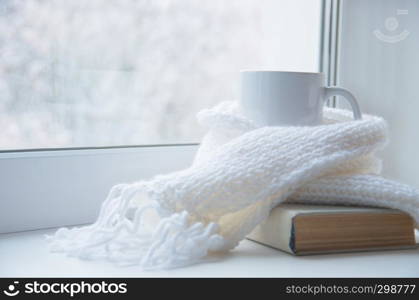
(128,72)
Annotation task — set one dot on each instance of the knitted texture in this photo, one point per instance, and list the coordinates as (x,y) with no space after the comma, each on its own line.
(239,174)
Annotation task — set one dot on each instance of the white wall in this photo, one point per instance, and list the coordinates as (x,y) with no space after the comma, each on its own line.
(380,64)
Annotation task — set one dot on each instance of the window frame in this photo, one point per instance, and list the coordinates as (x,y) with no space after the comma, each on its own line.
(51,188)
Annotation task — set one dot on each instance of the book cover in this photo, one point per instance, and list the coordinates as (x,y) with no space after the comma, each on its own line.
(314,229)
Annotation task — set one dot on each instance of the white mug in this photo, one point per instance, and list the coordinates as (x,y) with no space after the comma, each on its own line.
(274,98)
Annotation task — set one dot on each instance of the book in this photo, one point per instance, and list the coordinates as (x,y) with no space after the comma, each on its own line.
(315,229)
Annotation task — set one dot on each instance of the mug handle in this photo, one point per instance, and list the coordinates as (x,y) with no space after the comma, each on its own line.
(337,91)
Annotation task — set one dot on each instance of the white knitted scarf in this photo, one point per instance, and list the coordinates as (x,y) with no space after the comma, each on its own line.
(239,174)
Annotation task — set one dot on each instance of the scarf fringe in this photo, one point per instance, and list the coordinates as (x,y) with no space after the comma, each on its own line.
(122,236)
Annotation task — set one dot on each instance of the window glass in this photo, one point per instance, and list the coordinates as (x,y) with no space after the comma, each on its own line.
(104,73)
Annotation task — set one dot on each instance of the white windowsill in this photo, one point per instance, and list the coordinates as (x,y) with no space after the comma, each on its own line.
(26,255)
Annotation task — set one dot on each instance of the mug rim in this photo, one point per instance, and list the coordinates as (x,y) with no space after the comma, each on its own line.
(278,71)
